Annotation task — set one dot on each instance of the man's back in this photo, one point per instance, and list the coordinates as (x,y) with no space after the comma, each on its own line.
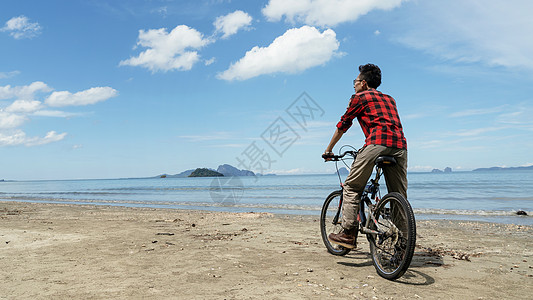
(378,117)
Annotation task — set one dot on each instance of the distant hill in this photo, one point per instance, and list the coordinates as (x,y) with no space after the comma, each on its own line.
(446,170)
(504,169)
(343,171)
(183,174)
(225,169)
(180,175)
(204,172)
(229,170)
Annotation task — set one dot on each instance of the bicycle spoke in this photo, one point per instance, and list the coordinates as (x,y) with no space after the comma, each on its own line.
(393,245)
(330,222)
(392,248)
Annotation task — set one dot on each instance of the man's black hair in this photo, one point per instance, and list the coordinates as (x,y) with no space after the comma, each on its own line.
(371,74)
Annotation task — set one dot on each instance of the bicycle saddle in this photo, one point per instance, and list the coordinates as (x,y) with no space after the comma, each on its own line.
(383,161)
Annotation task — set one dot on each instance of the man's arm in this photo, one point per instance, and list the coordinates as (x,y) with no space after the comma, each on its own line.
(334,139)
(345,123)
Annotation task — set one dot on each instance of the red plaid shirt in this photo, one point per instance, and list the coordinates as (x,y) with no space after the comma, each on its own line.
(378,117)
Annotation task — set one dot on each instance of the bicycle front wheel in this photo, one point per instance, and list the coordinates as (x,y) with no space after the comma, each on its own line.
(330,222)
(392,249)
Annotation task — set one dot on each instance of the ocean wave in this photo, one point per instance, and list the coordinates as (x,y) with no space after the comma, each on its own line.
(466,212)
(225,187)
(70,193)
(230,203)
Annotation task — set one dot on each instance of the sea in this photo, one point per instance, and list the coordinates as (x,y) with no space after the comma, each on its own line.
(488,196)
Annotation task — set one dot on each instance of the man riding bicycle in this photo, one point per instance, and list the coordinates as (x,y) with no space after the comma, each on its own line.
(378,117)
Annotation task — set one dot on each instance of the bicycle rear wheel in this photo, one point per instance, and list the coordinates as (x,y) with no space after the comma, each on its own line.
(328,224)
(392,249)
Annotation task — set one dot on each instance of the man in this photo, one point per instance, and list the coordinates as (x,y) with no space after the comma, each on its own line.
(380,122)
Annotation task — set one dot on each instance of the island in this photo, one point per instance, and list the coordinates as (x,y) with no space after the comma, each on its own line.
(204,172)
(225,170)
(343,171)
(446,170)
(229,170)
(504,169)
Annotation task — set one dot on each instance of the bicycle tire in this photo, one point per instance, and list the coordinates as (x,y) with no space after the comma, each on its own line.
(392,251)
(327,225)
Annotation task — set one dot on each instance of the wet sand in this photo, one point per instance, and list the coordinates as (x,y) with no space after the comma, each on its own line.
(102,252)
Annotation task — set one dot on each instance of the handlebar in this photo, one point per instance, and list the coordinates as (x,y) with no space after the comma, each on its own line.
(334,157)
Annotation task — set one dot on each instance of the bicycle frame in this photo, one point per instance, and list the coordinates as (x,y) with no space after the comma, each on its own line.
(373,189)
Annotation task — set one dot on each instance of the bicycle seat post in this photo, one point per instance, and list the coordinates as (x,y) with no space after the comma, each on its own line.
(381,162)
(375,182)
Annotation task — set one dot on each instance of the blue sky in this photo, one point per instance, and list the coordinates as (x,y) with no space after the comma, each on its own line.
(107,89)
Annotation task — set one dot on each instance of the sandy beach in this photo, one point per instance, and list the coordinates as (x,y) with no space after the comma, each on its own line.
(53,251)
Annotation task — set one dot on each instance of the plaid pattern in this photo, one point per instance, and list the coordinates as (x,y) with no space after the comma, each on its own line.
(378,117)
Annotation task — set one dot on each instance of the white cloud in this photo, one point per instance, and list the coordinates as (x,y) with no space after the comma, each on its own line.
(18,112)
(233,22)
(21,27)
(18,137)
(420,168)
(473,33)
(50,137)
(295,171)
(296,50)
(477,111)
(519,117)
(24,106)
(210,61)
(163,11)
(477,131)
(323,12)
(168,50)
(90,96)
(10,120)
(26,92)
(4,75)
(56,114)
(219,135)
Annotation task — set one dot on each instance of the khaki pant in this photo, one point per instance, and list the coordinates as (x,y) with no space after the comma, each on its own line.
(361,170)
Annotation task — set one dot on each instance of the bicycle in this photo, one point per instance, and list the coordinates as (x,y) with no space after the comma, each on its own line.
(388,222)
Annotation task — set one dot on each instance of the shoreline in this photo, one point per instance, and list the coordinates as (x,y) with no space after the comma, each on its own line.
(509,218)
(88,251)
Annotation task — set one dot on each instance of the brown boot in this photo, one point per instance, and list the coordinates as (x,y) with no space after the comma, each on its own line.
(346,238)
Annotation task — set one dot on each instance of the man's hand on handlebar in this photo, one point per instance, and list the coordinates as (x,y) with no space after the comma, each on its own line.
(328,156)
